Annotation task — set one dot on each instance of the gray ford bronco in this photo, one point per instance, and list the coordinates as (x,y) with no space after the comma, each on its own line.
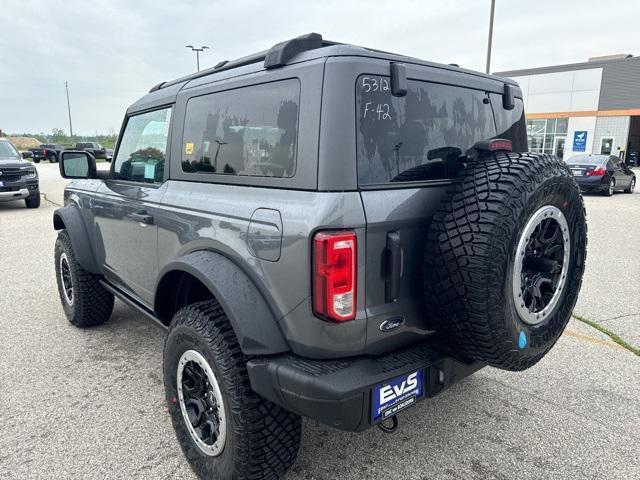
(324,231)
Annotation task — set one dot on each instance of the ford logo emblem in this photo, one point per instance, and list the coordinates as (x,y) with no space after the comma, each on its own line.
(391,324)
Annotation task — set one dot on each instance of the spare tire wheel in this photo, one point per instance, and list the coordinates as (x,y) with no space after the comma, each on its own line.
(505,257)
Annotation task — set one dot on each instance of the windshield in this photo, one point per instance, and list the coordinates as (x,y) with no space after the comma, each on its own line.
(7,150)
(587,160)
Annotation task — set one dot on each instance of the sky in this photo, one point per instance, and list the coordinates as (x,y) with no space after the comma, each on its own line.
(112,51)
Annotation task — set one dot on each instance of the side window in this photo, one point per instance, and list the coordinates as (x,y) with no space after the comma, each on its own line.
(511,124)
(142,151)
(420,136)
(250,131)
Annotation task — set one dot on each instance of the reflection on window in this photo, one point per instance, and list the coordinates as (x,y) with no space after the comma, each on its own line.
(543,134)
(250,131)
(419,136)
(142,150)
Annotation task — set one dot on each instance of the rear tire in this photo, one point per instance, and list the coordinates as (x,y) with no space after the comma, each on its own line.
(611,188)
(261,439)
(32,202)
(85,302)
(488,247)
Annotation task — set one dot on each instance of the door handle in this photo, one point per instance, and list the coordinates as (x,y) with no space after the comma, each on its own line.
(142,216)
(394,267)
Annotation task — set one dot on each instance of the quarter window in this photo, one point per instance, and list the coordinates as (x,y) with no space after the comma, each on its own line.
(251,131)
(142,151)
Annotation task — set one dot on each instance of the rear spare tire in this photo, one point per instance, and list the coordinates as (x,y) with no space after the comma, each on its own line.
(505,257)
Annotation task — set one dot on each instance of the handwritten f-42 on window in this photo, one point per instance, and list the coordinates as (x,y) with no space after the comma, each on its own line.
(379,111)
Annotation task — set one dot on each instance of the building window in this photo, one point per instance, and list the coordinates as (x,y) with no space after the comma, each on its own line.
(543,132)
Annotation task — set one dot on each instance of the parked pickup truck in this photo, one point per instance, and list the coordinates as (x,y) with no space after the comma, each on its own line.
(323,231)
(46,151)
(95,149)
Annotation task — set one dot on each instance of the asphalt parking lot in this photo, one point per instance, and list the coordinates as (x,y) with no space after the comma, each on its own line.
(90,404)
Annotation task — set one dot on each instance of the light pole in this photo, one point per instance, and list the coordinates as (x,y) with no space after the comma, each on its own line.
(493,8)
(66,86)
(197,50)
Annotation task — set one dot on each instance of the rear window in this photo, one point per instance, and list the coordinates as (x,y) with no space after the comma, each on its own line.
(420,136)
(250,131)
(510,124)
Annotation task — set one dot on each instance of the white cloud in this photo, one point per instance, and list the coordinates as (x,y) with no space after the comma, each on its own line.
(112,52)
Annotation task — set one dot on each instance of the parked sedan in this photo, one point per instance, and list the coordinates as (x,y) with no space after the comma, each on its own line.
(602,173)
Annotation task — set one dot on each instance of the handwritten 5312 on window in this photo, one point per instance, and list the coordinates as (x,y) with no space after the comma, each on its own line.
(375,84)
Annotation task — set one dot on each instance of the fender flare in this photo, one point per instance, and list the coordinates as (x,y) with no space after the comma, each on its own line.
(253,321)
(69,218)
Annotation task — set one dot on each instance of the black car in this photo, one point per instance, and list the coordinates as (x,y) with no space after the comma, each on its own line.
(602,173)
(18,178)
(95,149)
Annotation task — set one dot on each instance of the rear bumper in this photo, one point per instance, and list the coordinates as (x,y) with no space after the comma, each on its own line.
(593,183)
(338,393)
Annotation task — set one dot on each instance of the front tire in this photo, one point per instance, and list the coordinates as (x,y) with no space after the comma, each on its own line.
(631,186)
(225,429)
(85,302)
(32,202)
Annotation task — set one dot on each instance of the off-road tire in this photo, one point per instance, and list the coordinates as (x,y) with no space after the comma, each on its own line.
(470,254)
(36,160)
(262,439)
(92,304)
(32,202)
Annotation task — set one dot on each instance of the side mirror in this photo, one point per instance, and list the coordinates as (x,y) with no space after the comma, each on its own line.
(26,154)
(74,164)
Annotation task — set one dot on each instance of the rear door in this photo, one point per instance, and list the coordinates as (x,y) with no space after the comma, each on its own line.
(408,150)
(126,206)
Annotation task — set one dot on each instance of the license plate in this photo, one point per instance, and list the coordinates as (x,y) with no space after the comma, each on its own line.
(576,172)
(396,394)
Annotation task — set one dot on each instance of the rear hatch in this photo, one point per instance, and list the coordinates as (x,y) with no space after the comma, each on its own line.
(408,150)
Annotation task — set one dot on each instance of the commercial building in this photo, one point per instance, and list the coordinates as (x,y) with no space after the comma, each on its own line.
(590,107)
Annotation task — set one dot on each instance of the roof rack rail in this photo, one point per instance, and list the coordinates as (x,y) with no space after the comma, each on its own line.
(276,56)
(280,54)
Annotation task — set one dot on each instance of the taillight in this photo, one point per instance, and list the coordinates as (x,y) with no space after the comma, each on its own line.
(500,144)
(334,275)
(597,172)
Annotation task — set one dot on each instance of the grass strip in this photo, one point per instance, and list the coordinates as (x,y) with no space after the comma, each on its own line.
(614,336)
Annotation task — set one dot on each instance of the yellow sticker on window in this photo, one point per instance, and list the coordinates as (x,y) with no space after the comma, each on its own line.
(188,148)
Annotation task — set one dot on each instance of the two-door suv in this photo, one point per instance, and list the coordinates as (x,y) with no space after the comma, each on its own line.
(325,231)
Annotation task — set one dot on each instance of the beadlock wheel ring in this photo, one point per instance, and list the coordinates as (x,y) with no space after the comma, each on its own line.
(541,265)
(65,279)
(201,403)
